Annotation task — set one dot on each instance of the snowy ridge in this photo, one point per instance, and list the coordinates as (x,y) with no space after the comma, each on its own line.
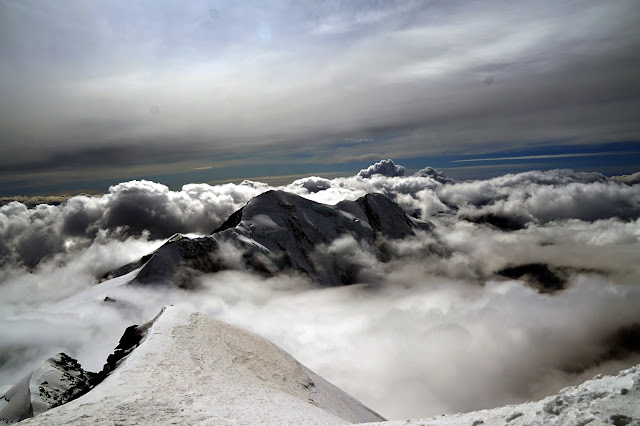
(604,400)
(193,369)
(189,368)
(95,294)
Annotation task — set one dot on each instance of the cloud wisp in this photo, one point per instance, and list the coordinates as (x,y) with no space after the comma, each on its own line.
(538,157)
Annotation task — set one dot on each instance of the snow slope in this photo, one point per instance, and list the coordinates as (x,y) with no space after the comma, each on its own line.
(54,382)
(193,369)
(97,293)
(605,400)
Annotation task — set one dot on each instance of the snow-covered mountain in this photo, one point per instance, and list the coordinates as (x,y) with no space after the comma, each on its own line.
(280,231)
(188,368)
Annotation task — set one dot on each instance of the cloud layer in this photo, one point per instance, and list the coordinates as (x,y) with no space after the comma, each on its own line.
(31,235)
(512,201)
(433,328)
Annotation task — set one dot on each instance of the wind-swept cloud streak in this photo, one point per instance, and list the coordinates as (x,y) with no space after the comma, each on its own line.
(538,157)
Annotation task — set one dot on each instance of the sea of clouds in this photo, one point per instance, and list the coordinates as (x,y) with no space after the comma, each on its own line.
(432,329)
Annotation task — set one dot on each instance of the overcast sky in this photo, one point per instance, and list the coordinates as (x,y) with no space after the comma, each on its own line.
(201,90)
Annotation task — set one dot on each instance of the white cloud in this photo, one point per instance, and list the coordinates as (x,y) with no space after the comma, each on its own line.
(29,236)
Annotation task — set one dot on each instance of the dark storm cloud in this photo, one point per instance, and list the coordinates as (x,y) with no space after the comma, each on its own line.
(434,174)
(406,78)
(198,208)
(384,168)
(100,156)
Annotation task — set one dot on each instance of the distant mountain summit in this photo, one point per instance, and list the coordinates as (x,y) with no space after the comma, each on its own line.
(278,231)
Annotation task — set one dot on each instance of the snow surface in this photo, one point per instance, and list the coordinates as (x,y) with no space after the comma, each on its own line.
(605,400)
(96,293)
(54,382)
(193,369)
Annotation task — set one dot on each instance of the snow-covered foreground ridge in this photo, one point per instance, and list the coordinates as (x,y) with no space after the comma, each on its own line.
(192,369)
(604,400)
(189,368)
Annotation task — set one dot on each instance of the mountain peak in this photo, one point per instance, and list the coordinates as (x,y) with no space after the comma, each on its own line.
(281,231)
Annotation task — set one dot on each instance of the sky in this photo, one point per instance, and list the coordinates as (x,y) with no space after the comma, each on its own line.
(96,93)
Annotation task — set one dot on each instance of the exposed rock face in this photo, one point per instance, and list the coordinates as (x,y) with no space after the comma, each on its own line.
(131,339)
(129,267)
(543,277)
(56,381)
(178,259)
(546,278)
(505,223)
(383,215)
(280,231)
